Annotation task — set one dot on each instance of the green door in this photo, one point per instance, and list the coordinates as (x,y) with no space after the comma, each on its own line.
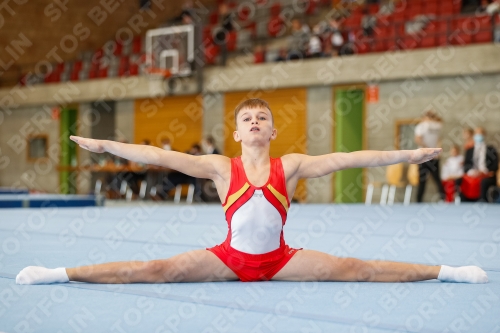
(67,180)
(348,136)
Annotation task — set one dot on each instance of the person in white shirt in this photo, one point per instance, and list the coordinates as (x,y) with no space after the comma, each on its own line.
(428,135)
(208,145)
(453,167)
(165,144)
(452,172)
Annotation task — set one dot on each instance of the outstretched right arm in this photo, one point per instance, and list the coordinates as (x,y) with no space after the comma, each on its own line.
(204,166)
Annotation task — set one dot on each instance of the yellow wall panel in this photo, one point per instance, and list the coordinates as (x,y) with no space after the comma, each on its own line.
(289,112)
(176,117)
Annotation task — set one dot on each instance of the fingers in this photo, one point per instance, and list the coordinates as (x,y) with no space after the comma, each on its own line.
(74,138)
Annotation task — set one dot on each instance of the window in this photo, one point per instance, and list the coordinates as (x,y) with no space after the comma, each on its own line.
(37,147)
(405,134)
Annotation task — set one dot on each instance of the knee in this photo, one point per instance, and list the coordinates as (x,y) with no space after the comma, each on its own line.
(359,270)
(154,270)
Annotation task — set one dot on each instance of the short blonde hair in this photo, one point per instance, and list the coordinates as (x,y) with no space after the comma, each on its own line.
(252,103)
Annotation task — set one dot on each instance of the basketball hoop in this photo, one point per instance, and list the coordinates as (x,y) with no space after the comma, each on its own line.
(158,73)
(170,48)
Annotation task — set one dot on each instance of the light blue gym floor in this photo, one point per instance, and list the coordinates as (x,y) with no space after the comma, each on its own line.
(433,234)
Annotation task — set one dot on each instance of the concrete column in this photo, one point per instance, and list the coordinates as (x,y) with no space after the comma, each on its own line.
(319,139)
(124,120)
(213,118)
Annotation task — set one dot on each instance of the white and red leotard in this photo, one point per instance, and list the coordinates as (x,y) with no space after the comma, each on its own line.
(255,248)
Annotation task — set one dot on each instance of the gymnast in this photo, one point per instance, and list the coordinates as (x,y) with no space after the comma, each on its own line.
(255,190)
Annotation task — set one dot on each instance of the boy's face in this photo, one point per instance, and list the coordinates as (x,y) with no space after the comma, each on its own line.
(254,126)
(454,151)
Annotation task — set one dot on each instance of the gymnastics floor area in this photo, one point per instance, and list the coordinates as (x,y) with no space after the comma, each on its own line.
(432,233)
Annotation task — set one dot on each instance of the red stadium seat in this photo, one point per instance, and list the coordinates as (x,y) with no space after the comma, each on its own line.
(442,30)
(118,49)
(353,21)
(460,38)
(361,47)
(231,40)
(275,26)
(428,40)
(379,45)
(445,9)
(211,52)
(380,31)
(74,75)
(134,69)
(213,18)
(485,22)
(77,65)
(310,7)
(136,45)
(275,9)
(411,14)
(392,44)
(102,72)
(124,61)
(409,43)
(92,74)
(391,31)
(97,56)
(259,57)
(430,8)
(400,6)
(122,71)
(207,34)
(484,34)
(398,16)
(244,13)
(373,8)
(483,37)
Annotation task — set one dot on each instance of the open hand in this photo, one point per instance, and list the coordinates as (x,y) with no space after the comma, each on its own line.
(422,155)
(90,144)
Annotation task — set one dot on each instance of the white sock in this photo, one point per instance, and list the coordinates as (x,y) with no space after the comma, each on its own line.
(469,274)
(41,275)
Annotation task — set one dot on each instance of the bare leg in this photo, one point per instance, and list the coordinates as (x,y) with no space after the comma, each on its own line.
(193,266)
(308,265)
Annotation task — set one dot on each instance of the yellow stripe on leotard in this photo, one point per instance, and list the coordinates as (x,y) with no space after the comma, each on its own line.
(278,196)
(235,196)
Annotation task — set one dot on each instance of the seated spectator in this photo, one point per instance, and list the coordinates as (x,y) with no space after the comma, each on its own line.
(165,144)
(386,8)
(480,168)
(208,145)
(134,178)
(368,22)
(468,135)
(493,7)
(298,40)
(259,54)
(314,48)
(282,55)
(175,178)
(328,51)
(336,38)
(489,7)
(226,26)
(452,172)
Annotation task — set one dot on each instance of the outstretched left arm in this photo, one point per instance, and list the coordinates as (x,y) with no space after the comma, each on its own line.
(318,166)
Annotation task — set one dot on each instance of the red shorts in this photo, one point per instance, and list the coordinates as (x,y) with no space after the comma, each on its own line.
(254,267)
